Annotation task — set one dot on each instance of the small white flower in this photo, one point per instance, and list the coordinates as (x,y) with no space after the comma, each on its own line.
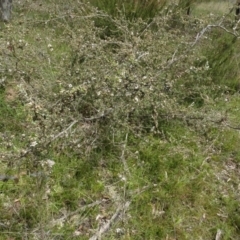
(33,144)
(50,163)
(136,99)
(50,47)
(122,177)
(2,80)
(207,65)
(77,233)
(119,231)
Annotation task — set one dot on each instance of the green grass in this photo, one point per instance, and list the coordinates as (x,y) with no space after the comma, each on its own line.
(124,114)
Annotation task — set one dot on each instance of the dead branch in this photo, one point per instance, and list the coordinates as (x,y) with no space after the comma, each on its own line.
(81,209)
(65,130)
(107,226)
(208,27)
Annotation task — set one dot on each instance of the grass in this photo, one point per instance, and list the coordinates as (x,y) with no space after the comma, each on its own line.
(138,123)
(213,7)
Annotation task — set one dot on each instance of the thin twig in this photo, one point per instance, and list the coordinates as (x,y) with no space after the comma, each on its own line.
(100,115)
(64,131)
(81,209)
(208,27)
(113,219)
(233,127)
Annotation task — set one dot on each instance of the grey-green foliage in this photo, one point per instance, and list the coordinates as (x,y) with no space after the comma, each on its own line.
(139,117)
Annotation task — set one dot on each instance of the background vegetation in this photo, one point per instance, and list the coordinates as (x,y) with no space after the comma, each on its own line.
(119,120)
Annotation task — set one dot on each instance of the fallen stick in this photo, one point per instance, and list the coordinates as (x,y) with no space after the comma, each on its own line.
(106,226)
